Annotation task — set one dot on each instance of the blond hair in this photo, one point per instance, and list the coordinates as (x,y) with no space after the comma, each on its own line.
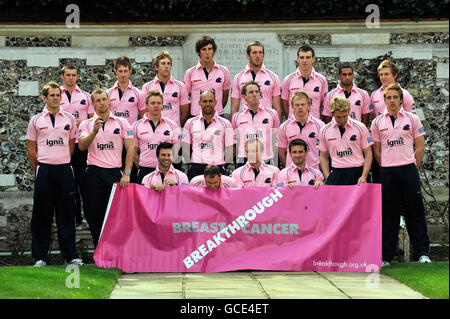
(339,104)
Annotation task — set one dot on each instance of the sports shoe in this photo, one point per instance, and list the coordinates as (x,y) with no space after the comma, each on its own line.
(385,263)
(76,261)
(424,260)
(40,263)
(402,222)
(79,227)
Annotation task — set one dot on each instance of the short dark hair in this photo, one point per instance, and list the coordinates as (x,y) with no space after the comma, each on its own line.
(298,142)
(163,145)
(212,170)
(244,87)
(68,67)
(124,61)
(254,44)
(306,48)
(204,41)
(345,65)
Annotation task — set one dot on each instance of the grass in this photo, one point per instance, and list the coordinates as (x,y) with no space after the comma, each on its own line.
(26,282)
(431,280)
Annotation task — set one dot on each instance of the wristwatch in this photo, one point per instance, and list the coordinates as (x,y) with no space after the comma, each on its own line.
(127,172)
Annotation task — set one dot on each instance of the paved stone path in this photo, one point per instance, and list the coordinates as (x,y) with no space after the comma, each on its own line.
(260,285)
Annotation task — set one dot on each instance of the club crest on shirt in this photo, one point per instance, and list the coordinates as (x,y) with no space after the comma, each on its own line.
(353,138)
(316,89)
(267,82)
(166,132)
(311,182)
(406,127)
(83,102)
(358,102)
(219,80)
(131,99)
(268,180)
(67,127)
(312,135)
(265,121)
(175,94)
(116,131)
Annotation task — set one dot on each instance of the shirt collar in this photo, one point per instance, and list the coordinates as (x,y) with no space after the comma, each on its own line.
(215,116)
(245,107)
(312,75)
(294,120)
(46,112)
(146,118)
(349,122)
(157,80)
(77,88)
(340,88)
(401,112)
(247,68)
(295,167)
(200,66)
(116,85)
(171,169)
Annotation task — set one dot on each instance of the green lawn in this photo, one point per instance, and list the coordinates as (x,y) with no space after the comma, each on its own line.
(431,280)
(27,282)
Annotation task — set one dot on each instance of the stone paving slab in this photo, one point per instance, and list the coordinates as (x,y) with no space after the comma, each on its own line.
(260,285)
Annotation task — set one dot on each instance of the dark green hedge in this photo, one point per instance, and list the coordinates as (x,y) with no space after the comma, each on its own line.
(217,10)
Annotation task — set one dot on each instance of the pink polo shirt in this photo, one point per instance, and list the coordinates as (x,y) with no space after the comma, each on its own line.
(267,80)
(52,142)
(80,104)
(260,126)
(316,87)
(106,148)
(289,175)
(345,151)
(378,105)
(196,82)
(128,107)
(267,177)
(175,95)
(147,140)
(154,177)
(208,145)
(225,182)
(397,142)
(359,101)
(290,130)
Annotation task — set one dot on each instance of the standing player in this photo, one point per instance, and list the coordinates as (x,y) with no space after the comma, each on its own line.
(211,138)
(176,100)
(164,174)
(79,104)
(255,173)
(126,100)
(301,124)
(359,99)
(104,136)
(299,172)
(395,133)
(207,75)
(388,72)
(256,71)
(305,78)
(148,132)
(348,143)
(255,121)
(53,132)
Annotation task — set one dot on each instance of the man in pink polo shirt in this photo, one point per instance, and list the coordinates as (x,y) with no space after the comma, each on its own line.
(301,124)
(207,75)
(256,71)
(165,174)
(388,72)
(305,78)
(148,132)
(348,143)
(395,133)
(176,99)
(255,121)
(359,99)
(299,173)
(211,137)
(213,179)
(126,100)
(79,104)
(53,133)
(255,173)
(104,136)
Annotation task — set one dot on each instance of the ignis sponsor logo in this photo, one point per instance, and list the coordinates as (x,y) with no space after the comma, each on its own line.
(207,145)
(167,107)
(393,143)
(152,146)
(106,146)
(122,114)
(58,142)
(341,154)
